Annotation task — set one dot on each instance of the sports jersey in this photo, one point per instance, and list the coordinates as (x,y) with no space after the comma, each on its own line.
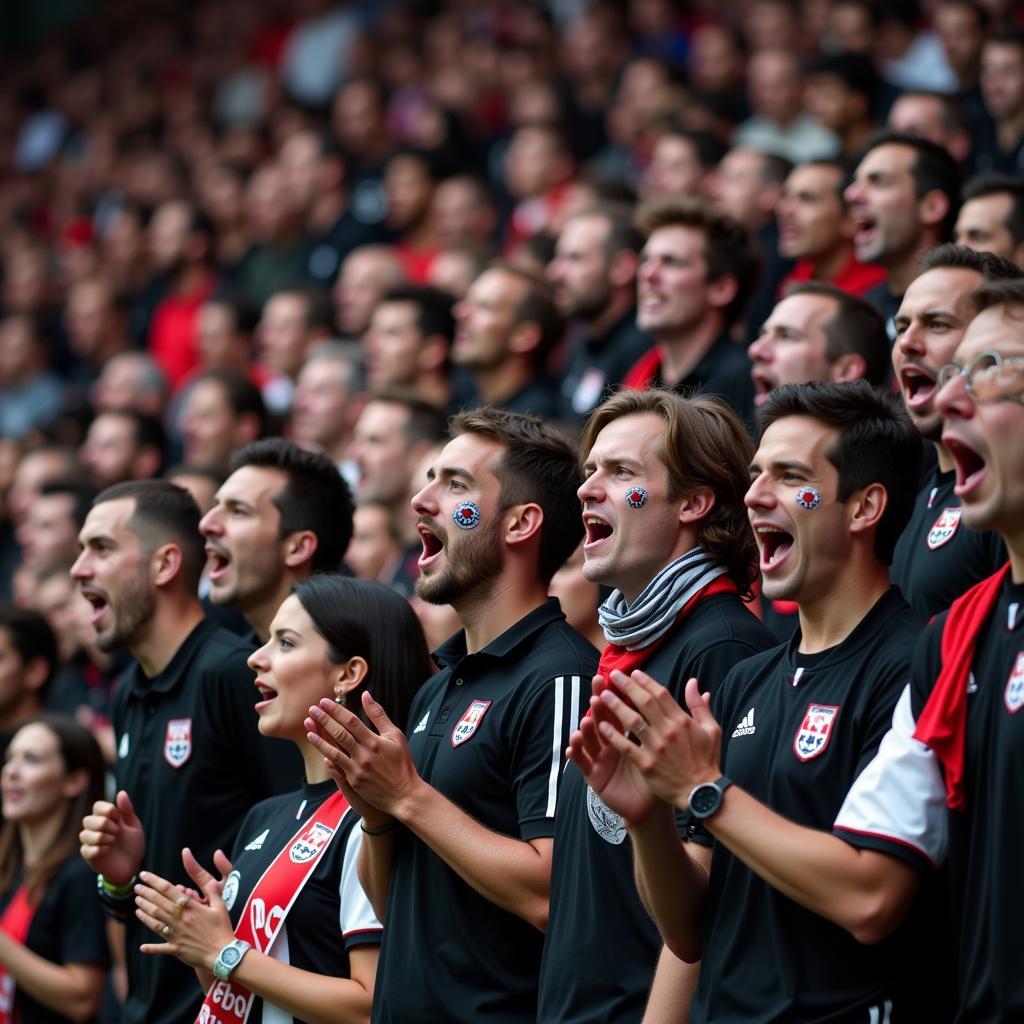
(489,732)
(331,914)
(899,806)
(602,946)
(797,729)
(190,756)
(937,558)
(68,927)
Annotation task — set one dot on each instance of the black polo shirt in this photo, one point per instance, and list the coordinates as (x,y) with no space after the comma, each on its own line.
(986,841)
(602,946)
(331,914)
(597,363)
(796,731)
(488,731)
(937,558)
(193,762)
(68,927)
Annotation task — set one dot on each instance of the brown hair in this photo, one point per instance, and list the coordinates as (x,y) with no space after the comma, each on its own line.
(704,445)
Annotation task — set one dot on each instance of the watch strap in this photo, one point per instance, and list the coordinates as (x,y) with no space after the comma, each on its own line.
(221,969)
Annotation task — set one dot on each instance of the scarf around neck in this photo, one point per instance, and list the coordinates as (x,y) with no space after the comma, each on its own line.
(656,608)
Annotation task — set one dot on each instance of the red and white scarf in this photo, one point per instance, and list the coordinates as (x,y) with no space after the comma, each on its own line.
(268,904)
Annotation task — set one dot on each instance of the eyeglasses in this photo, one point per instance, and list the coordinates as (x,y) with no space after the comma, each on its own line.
(988,377)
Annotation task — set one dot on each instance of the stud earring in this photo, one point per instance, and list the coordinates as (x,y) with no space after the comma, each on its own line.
(340,698)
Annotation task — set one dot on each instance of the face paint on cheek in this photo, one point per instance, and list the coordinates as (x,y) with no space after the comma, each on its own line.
(636,497)
(466,515)
(808,497)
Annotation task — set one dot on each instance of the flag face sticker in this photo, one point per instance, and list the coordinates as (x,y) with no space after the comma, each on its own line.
(178,742)
(466,515)
(808,497)
(468,723)
(1014,695)
(943,528)
(636,497)
(815,731)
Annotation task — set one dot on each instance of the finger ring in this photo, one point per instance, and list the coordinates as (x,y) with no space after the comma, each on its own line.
(179,906)
(640,729)
(166,931)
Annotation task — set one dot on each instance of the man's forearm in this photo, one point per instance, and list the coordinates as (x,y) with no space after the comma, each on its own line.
(513,874)
(672,884)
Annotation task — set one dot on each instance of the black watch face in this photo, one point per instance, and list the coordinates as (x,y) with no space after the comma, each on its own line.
(704,800)
(231,957)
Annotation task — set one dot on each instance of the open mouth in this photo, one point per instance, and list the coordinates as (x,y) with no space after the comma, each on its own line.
(218,562)
(968,464)
(597,531)
(267,695)
(775,546)
(918,387)
(432,546)
(864,229)
(99,604)
(763,387)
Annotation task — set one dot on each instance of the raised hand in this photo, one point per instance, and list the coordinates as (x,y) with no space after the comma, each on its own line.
(376,765)
(113,841)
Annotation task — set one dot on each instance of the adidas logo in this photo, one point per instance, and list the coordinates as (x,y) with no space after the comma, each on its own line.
(972,683)
(746,726)
(257,843)
(422,723)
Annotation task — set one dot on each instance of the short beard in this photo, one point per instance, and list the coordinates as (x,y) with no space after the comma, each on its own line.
(134,608)
(477,564)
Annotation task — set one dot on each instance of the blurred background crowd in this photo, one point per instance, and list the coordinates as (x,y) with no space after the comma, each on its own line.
(227,219)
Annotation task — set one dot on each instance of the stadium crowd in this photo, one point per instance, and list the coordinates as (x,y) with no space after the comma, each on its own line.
(513,512)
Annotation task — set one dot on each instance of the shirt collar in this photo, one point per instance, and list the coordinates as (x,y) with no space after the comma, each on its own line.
(171,677)
(454,649)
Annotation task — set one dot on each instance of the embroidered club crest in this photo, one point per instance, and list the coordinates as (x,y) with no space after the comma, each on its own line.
(469,722)
(178,742)
(311,843)
(466,515)
(815,731)
(636,497)
(604,821)
(943,528)
(808,497)
(1014,695)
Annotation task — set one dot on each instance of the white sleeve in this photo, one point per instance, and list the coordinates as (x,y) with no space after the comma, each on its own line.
(356,917)
(900,797)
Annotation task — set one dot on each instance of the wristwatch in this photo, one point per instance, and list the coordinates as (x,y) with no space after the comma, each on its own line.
(230,957)
(706,798)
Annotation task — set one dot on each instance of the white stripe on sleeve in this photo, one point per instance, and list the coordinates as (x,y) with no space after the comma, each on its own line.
(901,795)
(355,913)
(557,742)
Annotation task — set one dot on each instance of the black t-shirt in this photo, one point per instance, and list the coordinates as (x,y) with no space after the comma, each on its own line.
(724,370)
(192,759)
(68,927)
(598,363)
(489,732)
(937,558)
(602,946)
(986,841)
(331,914)
(797,730)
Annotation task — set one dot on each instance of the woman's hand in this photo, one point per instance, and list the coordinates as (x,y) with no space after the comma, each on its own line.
(194,931)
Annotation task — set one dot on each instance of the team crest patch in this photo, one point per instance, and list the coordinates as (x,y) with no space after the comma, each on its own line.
(606,823)
(943,528)
(178,742)
(230,891)
(1014,695)
(469,722)
(311,843)
(815,731)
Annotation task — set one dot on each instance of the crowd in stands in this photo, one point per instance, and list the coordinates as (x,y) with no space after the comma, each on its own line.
(297,302)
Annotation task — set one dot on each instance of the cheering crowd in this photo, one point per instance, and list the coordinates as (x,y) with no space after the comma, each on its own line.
(513,512)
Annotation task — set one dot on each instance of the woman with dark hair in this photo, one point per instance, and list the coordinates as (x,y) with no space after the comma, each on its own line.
(53,944)
(289,930)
